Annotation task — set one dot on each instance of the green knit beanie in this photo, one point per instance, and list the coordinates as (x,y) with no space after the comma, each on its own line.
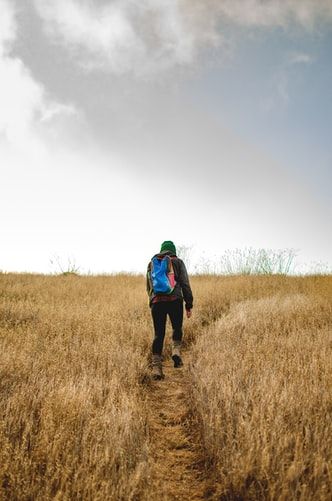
(168,246)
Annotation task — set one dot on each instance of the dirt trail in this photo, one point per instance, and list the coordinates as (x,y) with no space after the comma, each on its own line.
(175,452)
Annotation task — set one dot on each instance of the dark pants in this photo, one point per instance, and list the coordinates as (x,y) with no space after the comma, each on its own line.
(159,315)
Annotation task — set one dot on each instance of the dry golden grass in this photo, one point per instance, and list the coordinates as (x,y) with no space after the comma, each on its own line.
(73,386)
(73,355)
(262,388)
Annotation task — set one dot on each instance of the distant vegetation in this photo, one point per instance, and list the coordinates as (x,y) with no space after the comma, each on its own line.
(64,267)
(237,261)
(74,355)
(251,261)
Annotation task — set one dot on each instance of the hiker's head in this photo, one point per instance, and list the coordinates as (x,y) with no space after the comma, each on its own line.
(168,245)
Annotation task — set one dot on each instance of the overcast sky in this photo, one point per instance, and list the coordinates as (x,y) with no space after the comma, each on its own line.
(125,123)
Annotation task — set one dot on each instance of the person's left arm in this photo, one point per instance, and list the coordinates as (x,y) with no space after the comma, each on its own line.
(185,286)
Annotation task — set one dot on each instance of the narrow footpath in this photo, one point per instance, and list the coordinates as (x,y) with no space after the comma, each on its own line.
(177,471)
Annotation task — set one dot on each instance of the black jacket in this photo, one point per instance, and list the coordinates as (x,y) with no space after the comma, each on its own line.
(182,288)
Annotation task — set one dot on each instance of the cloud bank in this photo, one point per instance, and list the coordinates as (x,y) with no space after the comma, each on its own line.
(7,26)
(24,102)
(77,200)
(270,13)
(139,37)
(151,36)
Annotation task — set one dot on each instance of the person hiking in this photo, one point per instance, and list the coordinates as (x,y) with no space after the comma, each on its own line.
(168,286)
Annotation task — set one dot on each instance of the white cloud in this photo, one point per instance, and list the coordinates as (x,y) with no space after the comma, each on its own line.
(21,99)
(281,80)
(139,37)
(274,12)
(150,36)
(279,96)
(7,25)
(24,103)
(54,109)
(299,58)
(103,32)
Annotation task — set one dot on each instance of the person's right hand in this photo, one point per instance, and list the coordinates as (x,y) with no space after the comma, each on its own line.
(188,312)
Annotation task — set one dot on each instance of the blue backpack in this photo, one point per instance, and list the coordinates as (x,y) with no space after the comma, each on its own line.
(162,275)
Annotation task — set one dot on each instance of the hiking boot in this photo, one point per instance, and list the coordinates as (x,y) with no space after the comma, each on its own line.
(157,369)
(176,354)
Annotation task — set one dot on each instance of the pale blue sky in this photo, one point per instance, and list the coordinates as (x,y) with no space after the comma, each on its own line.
(112,111)
(295,126)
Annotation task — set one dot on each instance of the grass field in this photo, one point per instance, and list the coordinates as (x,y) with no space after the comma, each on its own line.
(74,381)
